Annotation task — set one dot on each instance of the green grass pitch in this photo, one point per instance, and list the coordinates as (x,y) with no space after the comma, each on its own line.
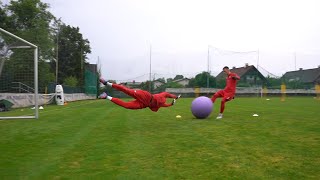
(99,140)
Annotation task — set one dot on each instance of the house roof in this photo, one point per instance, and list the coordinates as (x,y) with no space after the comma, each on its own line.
(158,81)
(305,76)
(133,83)
(178,80)
(240,71)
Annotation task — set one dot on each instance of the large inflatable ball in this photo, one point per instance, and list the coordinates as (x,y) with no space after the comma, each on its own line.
(201,107)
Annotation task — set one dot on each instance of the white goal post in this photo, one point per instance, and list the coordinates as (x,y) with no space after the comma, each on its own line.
(24,45)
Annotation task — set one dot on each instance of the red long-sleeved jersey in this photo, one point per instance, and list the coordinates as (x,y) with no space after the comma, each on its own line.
(231,83)
(159,100)
(143,99)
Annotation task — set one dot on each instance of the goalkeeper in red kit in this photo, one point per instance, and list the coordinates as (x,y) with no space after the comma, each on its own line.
(228,93)
(143,99)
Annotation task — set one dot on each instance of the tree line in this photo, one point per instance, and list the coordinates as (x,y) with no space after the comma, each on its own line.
(56,41)
(206,80)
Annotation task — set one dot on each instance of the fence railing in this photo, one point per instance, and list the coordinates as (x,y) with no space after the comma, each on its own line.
(243,91)
(22,88)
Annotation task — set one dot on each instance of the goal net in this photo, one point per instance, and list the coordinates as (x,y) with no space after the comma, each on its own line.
(218,58)
(18,77)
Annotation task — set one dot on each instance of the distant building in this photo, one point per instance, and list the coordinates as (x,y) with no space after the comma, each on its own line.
(157,84)
(249,76)
(184,81)
(133,84)
(308,77)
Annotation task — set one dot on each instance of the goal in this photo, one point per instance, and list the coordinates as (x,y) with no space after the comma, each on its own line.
(18,77)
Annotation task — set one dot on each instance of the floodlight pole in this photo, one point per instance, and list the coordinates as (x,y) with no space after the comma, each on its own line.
(57,57)
(258,59)
(295,61)
(208,66)
(150,69)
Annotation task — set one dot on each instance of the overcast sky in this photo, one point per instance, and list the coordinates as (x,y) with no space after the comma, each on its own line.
(284,35)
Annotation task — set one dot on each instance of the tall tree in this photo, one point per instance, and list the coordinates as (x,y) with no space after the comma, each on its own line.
(72,52)
(161,80)
(274,82)
(3,16)
(178,77)
(30,20)
(201,80)
(169,80)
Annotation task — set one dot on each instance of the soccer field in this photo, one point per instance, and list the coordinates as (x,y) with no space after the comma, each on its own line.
(99,140)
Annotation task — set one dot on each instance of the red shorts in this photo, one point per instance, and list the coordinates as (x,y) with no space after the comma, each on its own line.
(228,96)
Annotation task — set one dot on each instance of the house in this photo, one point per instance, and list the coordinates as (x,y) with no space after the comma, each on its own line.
(133,84)
(249,76)
(308,77)
(157,84)
(184,81)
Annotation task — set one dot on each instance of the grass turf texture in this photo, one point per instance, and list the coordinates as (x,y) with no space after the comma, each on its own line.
(97,139)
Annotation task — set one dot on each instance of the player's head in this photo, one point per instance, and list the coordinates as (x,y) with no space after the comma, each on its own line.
(226,69)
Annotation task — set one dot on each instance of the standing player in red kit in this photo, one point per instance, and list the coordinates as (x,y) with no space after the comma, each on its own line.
(143,99)
(228,92)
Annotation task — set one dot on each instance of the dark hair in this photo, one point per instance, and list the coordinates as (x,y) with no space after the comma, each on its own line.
(226,67)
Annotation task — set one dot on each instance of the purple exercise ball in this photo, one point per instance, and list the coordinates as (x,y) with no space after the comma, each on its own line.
(201,107)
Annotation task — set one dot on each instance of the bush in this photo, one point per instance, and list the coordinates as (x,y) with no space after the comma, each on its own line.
(71,81)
